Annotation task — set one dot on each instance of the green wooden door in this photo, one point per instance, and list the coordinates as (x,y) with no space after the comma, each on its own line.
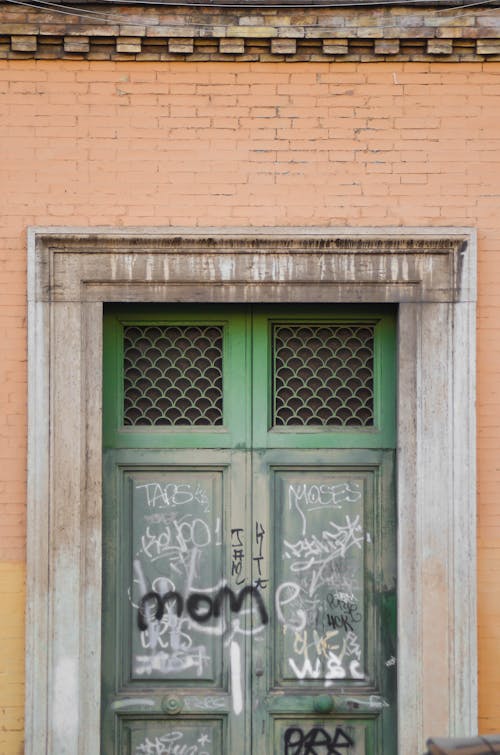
(249,531)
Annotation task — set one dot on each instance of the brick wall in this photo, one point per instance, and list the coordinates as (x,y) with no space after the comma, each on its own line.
(107,143)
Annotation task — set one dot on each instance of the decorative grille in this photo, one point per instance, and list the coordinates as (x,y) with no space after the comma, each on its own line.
(323,374)
(173,375)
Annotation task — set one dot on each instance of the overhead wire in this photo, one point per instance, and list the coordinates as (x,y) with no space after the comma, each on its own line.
(64,10)
(465,5)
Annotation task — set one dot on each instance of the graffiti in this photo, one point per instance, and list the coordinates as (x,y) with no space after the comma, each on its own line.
(316,741)
(344,597)
(181,607)
(179,659)
(289,593)
(305,497)
(208,702)
(352,647)
(169,623)
(177,579)
(329,656)
(318,599)
(259,583)
(200,606)
(236,684)
(348,615)
(314,553)
(237,556)
(163,495)
(173,744)
(374,702)
(175,539)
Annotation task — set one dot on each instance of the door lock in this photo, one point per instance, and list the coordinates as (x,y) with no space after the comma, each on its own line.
(259,666)
(323,704)
(171,704)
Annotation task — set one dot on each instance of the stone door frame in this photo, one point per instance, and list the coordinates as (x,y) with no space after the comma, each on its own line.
(429,272)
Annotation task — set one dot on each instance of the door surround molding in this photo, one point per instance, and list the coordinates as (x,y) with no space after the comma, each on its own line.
(429,272)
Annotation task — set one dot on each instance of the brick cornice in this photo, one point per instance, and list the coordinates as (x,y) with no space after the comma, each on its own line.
(152,33)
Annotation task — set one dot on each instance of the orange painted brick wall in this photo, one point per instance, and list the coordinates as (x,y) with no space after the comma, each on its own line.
(96,143)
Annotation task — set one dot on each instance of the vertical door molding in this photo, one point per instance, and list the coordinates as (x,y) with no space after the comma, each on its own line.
(429,272)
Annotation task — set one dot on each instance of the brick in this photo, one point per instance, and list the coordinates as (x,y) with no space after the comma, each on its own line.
(295,32)
(439,46)
(172,31)
(76,44)
(335,46)
(325,32)
(132,31)
(23,43)
(231,45)
(17,29)
(284,46)
(488,47)
(250,32)
(128,44)
(181,45)
(386,46)
(110,30)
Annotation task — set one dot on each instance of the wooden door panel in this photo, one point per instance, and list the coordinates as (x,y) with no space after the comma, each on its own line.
(160,737)
(320,544)
(323,736)
(331,569)
(177,569)
(178,611)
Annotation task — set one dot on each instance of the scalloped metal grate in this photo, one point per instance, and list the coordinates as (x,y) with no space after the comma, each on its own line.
(173,375)
(323,374)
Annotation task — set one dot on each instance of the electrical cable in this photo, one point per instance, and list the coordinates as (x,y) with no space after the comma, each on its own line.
(44,3)
(56,9)
(460,7)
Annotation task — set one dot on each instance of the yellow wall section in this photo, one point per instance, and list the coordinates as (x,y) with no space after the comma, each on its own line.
(207,144)
(12,596)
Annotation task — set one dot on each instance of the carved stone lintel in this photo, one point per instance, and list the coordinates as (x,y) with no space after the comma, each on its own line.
(251,265)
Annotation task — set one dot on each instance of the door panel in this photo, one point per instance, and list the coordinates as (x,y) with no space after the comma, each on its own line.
(319,551)
(177,620)
(177,530)
(159,737)
(299,736)
(249,573)
(331,577)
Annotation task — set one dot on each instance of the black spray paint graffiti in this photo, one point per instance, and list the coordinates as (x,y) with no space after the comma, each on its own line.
(260,583)
(345,613)
(237,555)
(199,606)
(316,741)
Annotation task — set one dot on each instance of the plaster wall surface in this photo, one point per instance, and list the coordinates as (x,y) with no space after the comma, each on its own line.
(240,144)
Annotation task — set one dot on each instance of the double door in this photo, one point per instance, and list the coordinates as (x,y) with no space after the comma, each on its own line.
(249,532)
